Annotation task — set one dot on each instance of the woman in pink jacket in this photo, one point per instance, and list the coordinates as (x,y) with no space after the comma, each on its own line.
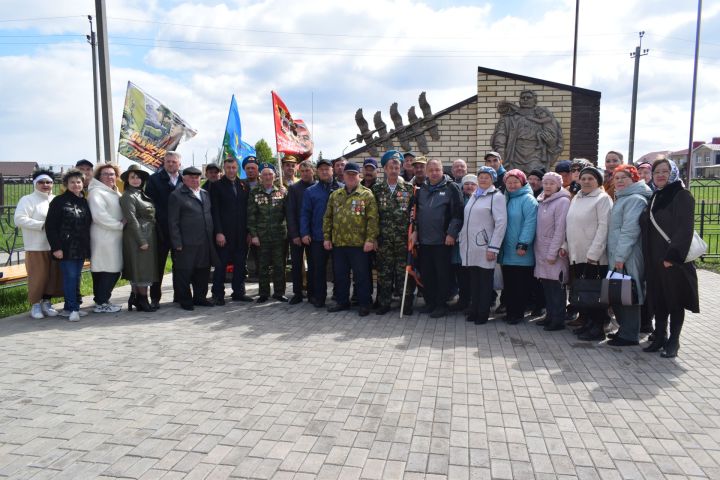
(550,267)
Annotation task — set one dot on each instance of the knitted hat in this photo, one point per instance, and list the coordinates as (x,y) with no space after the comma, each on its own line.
(594,171)
(470,178)
(488,171)
(517,174)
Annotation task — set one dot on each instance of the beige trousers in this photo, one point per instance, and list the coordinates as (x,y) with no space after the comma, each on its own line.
(44,277)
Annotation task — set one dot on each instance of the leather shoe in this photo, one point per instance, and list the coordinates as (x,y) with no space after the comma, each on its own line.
(319,304)
(439,312)
(242,298)
(155,304)
(338,307)
(203,303)
(656,345)
(187,306)
(280,298)
(542,323)
(621,342)
(553,328)
(383,309)
(262,299)
(364,311)
(296,299)
(219,301)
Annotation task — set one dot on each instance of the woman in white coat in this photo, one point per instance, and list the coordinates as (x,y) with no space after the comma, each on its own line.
(43,273)
(106,233)
(481,237)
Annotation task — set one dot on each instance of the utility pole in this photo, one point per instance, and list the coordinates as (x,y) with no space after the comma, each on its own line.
(93,45)
(105,87)
(577,14)
(636,55)
(694,88)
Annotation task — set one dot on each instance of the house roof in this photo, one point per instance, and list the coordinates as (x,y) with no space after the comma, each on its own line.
(17,169)
(711,146)
(652,156)
(539,81)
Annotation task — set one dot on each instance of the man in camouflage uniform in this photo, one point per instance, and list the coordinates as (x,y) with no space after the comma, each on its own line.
(350,229)
(393,196)
(267,229)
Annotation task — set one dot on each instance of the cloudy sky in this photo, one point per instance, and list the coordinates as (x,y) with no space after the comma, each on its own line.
(326,58)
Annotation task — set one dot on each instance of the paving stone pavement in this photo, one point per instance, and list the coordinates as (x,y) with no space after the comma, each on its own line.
(291,392)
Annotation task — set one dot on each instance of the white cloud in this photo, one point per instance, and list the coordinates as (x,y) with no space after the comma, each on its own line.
(365,55)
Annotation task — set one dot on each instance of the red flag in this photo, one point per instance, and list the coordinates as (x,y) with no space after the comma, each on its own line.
(412,249)
(292,137)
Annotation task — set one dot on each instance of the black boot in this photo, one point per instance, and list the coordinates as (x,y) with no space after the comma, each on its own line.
(131,301)
(142,304)
(673,343)
(596,333)
(659,336)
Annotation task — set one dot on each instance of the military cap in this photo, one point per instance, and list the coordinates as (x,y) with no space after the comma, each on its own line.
(289,159)
(323,161)
(352,168)
(492,154)
(420,159)
(370,161)
(192,171)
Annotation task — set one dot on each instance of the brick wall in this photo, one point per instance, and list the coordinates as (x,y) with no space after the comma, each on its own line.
(465,129)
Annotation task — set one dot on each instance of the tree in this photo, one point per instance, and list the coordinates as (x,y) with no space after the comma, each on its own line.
(264,152)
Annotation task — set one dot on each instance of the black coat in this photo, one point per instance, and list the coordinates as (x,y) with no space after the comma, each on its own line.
(191,228)
(673,208)
(439,212)
(159,188)
(293,205)
(229,211)
(67,226)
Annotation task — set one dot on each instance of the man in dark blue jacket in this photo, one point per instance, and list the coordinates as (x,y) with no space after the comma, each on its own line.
(314,203)
(439,218)
(159,187)
(294,201)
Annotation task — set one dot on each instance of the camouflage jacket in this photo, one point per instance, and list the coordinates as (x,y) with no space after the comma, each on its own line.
(351,219)
(266,214)
(393,208)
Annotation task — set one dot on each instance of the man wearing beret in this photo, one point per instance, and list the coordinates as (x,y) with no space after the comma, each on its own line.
(267,229)
(250,166)
(350,229)
(393,196)
(191,234)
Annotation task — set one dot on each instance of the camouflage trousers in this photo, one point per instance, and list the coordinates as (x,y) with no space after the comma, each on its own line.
(271,265)
(390,264)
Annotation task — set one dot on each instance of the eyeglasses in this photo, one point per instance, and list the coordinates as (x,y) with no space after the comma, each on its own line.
(107,174)
(574,169)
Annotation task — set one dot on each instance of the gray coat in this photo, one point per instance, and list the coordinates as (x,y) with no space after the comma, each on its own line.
(139,266)
(483,228)
(624,242)
(191,229)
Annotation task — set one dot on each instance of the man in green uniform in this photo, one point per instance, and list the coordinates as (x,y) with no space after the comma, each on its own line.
(393,197)
(350,229)
(267,229)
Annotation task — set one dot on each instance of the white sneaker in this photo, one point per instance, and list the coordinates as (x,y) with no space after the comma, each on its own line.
(48,309)
(66,313)
(82,314)
(36,312)
(74,317)
(106,308)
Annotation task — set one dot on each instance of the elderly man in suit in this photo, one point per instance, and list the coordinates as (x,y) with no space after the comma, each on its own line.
(191,235)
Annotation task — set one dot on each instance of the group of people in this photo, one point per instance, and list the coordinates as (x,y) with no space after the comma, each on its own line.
(425,232)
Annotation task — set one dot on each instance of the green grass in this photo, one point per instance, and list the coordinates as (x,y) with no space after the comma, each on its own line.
(13,299)
(14,191)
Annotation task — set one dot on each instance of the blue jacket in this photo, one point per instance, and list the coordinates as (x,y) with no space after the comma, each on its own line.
(521,223)
(314,203)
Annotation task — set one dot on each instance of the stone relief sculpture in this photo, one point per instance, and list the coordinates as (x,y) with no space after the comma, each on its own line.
(527,136)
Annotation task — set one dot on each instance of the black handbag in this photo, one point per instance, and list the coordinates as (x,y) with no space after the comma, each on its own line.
(586,292)
(619,291)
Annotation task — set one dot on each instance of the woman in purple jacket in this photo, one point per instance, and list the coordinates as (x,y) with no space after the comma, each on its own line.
(550,267)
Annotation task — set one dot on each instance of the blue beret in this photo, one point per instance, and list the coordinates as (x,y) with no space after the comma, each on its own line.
(370,161)
(352,167)
(391,155)
(249,159)
(265,165)
(488,170)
